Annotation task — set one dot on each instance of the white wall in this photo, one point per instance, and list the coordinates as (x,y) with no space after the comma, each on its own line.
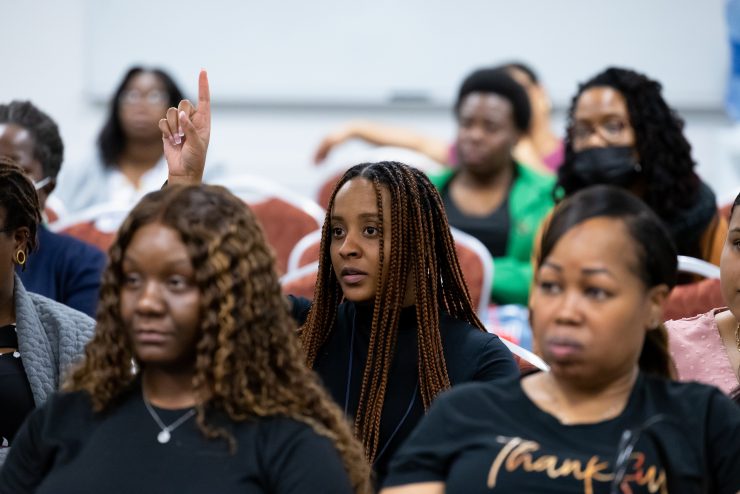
(45,58)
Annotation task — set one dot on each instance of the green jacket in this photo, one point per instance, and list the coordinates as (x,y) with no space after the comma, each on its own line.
(529,203)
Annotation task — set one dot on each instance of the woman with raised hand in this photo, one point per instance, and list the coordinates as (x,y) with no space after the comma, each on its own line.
(606,418)
(194,380)
(391,325)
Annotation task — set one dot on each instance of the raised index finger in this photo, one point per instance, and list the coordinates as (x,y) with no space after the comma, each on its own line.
(204,92)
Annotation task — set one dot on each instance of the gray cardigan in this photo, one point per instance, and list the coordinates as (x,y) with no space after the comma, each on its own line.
(51,337)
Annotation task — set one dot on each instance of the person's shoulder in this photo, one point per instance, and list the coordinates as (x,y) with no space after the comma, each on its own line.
(453,329)
(481,395)
(683,398)
(299,308)
(534,179)
(55,313)
(73,247)
(74,404)
(441,177)
(275,433)
(679,326)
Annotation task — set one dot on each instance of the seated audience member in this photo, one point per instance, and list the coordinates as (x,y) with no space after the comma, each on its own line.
(62,268)
(129,162)
(538,147)
(622,132)
(706,348)
(39,338)
(391,324)
(489,195)
(606,418)
(218,398)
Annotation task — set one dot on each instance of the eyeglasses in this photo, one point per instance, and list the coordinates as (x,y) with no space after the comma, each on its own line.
(155,97)
(611,130)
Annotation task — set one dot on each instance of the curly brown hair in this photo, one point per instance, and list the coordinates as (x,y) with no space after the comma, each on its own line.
(421,246)
(249,362)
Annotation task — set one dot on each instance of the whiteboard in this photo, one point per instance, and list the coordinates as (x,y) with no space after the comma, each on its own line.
(386,52)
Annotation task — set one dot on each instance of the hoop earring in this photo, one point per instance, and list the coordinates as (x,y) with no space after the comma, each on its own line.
(20,257)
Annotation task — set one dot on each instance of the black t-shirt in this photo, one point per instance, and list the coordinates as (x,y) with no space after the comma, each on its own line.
(480,437)
(64,447)
(491,229)
(16,398)
(470,355)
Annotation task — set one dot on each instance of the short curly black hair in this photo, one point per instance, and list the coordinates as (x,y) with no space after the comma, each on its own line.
(665,154)
(48,146)
(498,81)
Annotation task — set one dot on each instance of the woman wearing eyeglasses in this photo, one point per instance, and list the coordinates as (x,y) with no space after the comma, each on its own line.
(606,418)
(622,132)
(130,162)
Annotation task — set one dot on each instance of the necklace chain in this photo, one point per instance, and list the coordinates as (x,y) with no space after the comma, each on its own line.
(164,435)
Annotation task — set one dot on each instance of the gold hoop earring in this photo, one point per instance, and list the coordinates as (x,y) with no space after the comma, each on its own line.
(20,257)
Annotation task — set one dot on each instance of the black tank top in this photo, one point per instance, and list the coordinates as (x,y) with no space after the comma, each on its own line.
(16,399)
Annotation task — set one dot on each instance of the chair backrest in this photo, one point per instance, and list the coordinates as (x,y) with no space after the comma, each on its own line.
(525,355)
(698,297)
(300,282)
(54,209)
(475,262)
(97,225)
(477,267)
(285,216)
(697,266)
(305,251)
(326,187)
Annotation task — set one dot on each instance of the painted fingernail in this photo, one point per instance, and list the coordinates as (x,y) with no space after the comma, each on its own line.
(172,140)
(179,127)
(178,139)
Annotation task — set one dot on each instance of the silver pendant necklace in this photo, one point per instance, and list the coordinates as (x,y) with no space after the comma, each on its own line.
(164,436)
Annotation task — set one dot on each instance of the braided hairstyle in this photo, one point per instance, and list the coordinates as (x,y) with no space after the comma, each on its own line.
(248,359)
(665,154)
(19,200)
(422,247)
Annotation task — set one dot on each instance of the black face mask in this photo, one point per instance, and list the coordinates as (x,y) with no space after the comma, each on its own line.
(614,165)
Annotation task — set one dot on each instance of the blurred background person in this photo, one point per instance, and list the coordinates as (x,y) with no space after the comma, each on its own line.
(130,160)
(61,268)
(538,147)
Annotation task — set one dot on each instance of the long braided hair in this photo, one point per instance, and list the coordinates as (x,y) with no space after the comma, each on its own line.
(248,358)
(422,247)
(19,200)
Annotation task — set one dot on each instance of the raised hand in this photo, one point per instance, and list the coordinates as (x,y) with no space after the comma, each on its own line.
(186,131)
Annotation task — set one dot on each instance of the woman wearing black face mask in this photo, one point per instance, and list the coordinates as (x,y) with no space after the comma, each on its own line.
(621,132)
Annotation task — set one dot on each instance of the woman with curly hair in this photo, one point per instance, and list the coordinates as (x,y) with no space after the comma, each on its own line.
(622,132)
(194,380)
(391,325)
